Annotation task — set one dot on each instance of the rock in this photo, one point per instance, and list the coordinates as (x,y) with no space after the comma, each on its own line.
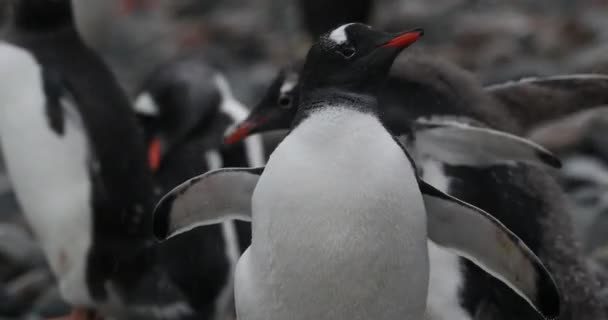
(17,297)
(18,251)
(51,305)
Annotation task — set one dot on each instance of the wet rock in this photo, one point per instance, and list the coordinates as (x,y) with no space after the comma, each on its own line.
(50,304)
(18,251)
(19,294)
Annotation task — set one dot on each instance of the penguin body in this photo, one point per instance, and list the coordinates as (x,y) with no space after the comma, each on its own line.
(187,107)
(348,218)
(422,88)
(62,224)
(77,162)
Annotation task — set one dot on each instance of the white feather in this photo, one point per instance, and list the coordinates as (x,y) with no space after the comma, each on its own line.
(446,278)
(145,105)
(254,146)
(224,300)
(339,34)
(338,189)
(49,172)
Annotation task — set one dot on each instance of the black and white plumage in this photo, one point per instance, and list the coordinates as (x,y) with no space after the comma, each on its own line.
(186,108)
(424,90)
(335,127)
(76,159)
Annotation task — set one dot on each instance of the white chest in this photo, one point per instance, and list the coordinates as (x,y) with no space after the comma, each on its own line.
(446,276)
(48,171)
(339,229)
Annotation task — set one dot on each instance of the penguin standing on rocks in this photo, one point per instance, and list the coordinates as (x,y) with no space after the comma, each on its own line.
(340,200)
(76,159)
(428,92)
(186,108)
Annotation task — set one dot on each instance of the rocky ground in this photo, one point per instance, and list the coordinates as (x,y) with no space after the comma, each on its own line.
(249,41)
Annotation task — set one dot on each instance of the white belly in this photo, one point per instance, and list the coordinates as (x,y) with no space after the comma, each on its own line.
(339,228)
(47,171)
(446,276)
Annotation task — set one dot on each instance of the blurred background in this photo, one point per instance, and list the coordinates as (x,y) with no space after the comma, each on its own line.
(250,40)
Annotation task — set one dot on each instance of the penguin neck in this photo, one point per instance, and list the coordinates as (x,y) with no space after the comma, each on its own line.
(323,98)
(210,128)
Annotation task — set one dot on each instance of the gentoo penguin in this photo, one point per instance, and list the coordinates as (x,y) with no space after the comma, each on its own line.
(311,206)
(76,159)
(424,88)
(448,140)
(186,108)
(552,97)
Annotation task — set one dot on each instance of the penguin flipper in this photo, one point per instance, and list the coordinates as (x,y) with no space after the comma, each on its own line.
(533,101)
(461,144)
(210,198)
(480,238)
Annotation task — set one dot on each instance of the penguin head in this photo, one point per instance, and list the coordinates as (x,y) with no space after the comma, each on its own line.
(41,15)
(275,110)
(353,58)
(178,101)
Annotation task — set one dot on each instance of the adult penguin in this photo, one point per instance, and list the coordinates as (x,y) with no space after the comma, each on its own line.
(76,159)
(186,108)
(316,250)
(430,94)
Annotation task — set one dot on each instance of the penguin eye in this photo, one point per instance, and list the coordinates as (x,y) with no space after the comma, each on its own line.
(347,51)
(285,102)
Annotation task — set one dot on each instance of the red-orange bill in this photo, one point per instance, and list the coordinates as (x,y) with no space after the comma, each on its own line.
(154,154)
(241,132)
(405,39)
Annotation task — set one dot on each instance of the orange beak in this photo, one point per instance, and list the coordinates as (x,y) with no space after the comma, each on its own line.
(154,154)
(405,39)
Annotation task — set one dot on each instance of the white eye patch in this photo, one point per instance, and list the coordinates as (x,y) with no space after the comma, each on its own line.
(288,85)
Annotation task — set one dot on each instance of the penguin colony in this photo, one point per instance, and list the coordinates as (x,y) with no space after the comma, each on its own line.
(400,189)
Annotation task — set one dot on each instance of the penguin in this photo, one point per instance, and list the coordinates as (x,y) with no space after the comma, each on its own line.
(553,97)
(449,140)
(423,90)
(186,107)
(76,160)
(311,205)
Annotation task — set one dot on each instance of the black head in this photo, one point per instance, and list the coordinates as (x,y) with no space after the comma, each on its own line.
(320,16)
(353,58)
(275,111)
(42,15)
(179,100)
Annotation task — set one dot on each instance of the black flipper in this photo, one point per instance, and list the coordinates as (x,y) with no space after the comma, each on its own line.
(462,144)
(534,101)
(477,236)
(211,198)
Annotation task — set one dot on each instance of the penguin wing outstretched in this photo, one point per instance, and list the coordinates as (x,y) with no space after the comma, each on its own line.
(533,101)
(210,198)
(462,144)
(478,237)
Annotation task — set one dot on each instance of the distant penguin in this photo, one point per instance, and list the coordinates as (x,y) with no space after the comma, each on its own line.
(311,207)
(186,108)
(426,88)
(76,159)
